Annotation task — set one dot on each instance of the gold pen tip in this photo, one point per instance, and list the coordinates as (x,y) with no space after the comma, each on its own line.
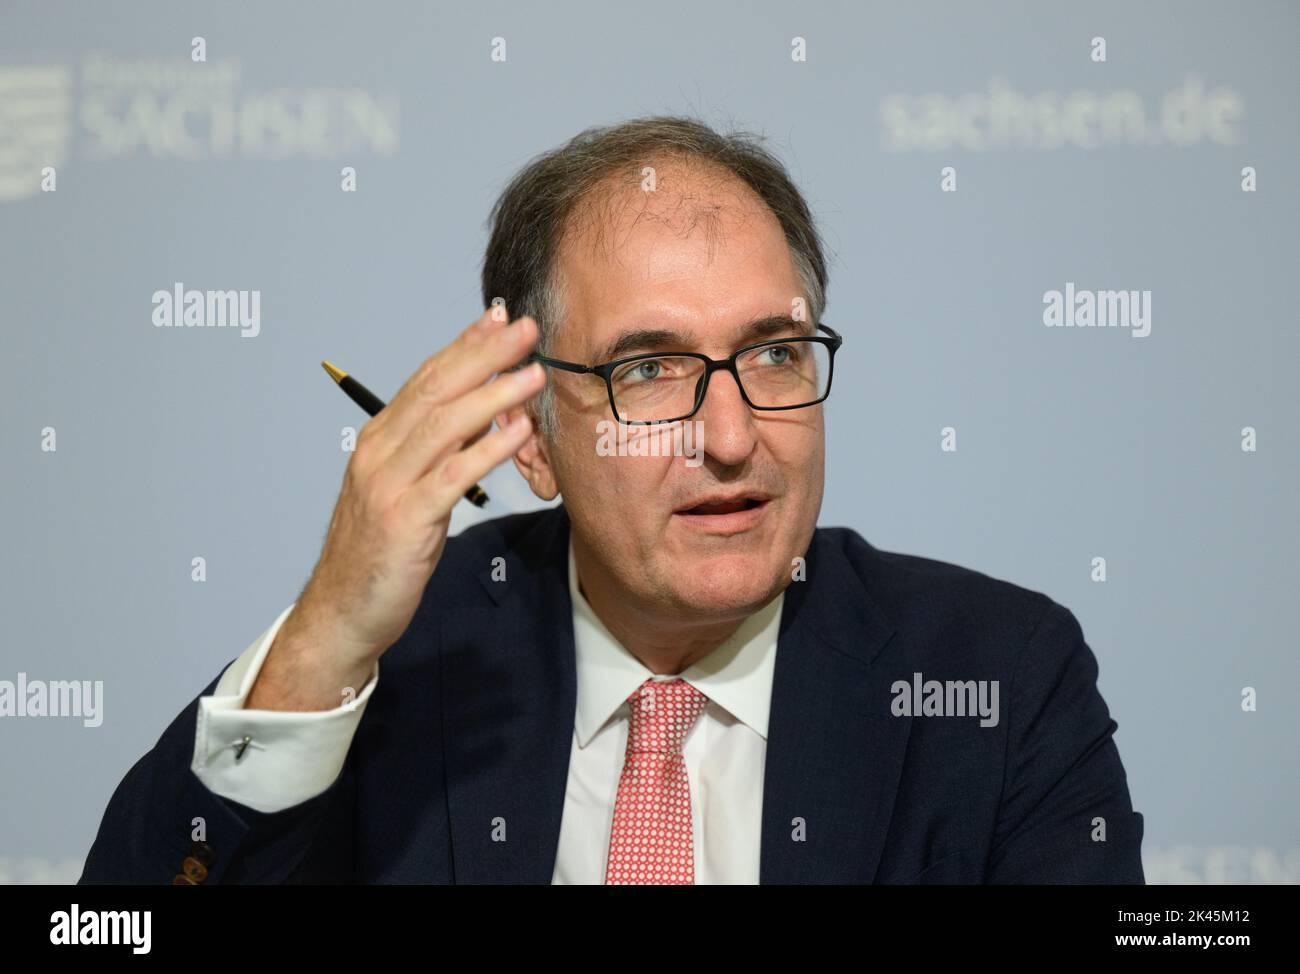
(337,374)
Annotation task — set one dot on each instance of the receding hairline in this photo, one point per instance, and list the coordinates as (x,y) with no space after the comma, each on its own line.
(602,207)
(676,172)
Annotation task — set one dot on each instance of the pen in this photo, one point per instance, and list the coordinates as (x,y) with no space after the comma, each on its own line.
(371,403)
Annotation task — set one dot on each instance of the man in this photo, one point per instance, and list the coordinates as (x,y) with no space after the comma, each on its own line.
(672,677)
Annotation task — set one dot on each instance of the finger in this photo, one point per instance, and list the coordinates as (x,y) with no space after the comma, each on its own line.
(439,489)
(435,377)
(446,429)
(484,349)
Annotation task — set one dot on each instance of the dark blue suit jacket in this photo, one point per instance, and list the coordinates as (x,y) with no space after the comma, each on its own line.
(473,722)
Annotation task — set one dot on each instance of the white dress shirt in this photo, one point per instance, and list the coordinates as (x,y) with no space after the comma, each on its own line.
(292,756)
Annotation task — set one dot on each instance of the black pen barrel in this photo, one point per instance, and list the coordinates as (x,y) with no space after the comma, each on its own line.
(360,395)
(371,403)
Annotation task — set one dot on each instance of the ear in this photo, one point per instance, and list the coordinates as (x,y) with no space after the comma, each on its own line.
(531,459)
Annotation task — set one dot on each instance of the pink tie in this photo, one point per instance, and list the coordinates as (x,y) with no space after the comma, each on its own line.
(651,841)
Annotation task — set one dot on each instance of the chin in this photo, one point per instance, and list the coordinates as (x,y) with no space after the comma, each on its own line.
(726,582)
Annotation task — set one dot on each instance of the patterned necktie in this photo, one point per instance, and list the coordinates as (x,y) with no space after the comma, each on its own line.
(651,841)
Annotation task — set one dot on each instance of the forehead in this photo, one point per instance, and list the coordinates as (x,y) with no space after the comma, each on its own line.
(700,253)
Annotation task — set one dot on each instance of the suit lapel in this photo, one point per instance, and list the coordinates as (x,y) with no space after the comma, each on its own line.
(509,678)
(834,753)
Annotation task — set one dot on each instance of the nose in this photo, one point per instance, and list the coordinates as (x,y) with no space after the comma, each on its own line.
(730,432)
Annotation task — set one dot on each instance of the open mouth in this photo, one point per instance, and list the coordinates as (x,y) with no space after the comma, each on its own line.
(728,507)
(725,518)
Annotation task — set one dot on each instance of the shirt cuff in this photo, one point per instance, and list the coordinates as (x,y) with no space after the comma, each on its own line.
(290,756)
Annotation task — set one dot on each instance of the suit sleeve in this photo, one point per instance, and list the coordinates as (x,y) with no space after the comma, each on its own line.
(1065,814)
(162,807)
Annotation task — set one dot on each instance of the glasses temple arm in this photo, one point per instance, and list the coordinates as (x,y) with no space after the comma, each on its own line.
(558,364)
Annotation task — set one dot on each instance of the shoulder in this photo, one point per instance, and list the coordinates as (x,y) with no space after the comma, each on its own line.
(940,604)
(512,537)
(506,532)
(462,579)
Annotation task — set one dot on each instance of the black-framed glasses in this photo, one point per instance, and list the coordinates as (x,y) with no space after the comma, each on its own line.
(657,387)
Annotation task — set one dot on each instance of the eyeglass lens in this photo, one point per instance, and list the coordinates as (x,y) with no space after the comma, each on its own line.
(792,373)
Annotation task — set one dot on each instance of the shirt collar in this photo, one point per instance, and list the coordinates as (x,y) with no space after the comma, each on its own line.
(737,675)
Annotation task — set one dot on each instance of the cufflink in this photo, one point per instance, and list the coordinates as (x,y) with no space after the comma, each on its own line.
(243,744)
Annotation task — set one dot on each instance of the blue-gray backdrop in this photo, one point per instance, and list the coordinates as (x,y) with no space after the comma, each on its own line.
(1099,147)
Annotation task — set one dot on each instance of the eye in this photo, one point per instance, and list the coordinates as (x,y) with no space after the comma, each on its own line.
(645,370)
(781,354)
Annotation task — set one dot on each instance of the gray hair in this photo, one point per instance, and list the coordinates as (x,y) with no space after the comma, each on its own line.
(530,219)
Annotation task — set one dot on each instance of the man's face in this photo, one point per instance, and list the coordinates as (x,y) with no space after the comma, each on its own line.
(703,259)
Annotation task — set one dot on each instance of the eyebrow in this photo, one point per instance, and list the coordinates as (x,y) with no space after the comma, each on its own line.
(656,339)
